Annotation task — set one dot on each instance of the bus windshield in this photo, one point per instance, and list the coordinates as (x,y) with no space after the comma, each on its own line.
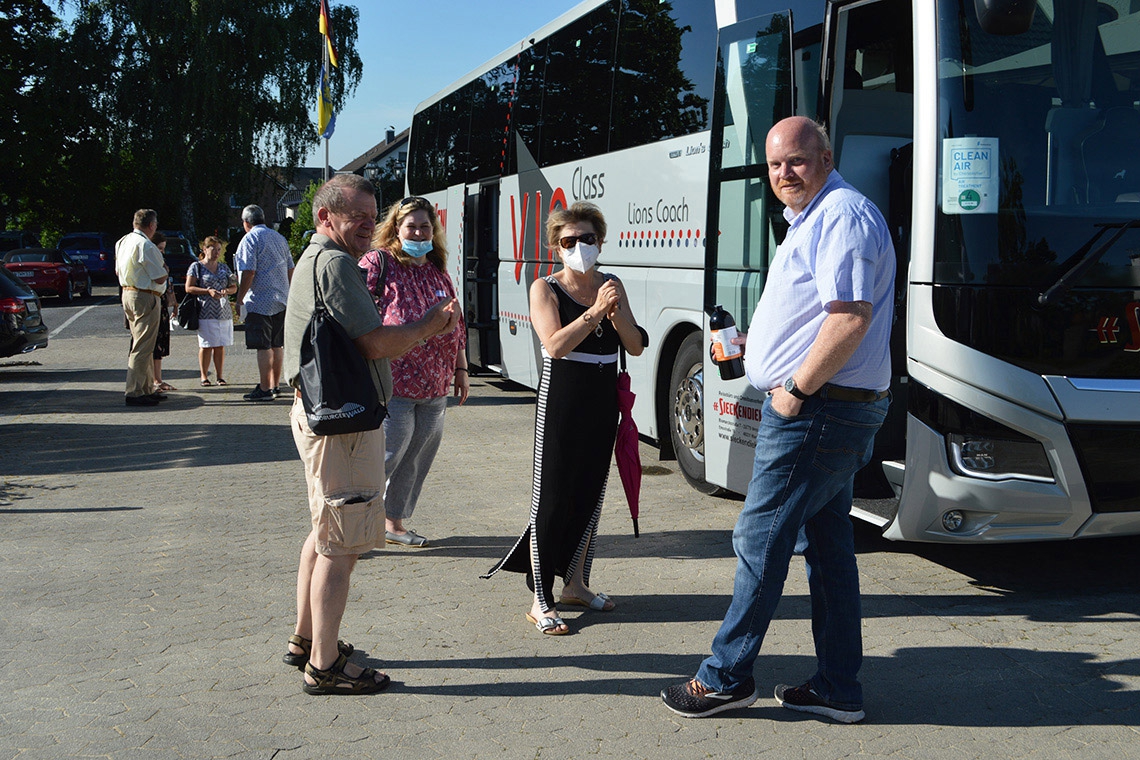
(1040,149)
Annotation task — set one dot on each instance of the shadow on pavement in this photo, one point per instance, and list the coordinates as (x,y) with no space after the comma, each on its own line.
(51,449)
(933,686)
(73,510)
(1046,568)
(693,544)
(52,379)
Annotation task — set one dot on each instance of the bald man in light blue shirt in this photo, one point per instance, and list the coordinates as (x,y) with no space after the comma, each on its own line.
(818,345)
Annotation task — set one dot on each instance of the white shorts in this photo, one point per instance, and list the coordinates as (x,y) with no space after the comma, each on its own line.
(214,333)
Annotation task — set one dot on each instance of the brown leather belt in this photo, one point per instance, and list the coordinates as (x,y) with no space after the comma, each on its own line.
(843,393)
(142,290)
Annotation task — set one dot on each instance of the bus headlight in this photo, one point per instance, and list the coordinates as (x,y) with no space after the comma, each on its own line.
(997,459)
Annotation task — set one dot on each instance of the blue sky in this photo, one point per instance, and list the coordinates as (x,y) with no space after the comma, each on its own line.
(406,60)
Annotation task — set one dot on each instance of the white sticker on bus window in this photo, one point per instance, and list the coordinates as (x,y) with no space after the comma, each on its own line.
(970,175)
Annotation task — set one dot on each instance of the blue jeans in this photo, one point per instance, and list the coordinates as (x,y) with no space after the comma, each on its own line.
(800,499)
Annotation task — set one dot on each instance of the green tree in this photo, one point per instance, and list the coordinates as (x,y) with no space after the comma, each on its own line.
(201,92)
(303,222)
(47,121)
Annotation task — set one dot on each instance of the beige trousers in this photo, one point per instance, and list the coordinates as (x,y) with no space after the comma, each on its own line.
(143,312)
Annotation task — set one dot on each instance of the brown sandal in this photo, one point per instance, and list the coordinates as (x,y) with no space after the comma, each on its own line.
(306,646)
(334,681)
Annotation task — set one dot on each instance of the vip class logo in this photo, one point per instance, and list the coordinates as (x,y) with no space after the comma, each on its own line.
(1108,329)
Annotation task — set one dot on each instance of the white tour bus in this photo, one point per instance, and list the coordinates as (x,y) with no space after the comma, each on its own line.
(1001,140)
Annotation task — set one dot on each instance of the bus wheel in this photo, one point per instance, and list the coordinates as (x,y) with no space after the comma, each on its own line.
(686,413)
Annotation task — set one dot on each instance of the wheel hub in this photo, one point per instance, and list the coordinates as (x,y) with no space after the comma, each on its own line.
(688,412)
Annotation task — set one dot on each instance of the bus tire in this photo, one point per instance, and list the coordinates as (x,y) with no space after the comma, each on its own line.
(686,412)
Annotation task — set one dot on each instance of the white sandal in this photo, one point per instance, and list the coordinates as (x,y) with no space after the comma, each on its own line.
(549,625)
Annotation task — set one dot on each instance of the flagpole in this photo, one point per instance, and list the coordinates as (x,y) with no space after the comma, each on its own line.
(325,65)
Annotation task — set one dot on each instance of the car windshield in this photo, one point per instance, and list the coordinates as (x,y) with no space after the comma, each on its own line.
(79,243)
(178,247)
(31,256)
(1040,141)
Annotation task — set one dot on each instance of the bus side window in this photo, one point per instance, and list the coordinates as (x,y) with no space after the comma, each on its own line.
(872,105)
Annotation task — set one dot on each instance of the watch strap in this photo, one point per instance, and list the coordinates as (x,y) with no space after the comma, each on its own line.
(791,387)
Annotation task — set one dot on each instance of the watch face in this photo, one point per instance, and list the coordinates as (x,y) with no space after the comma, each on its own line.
(790,385)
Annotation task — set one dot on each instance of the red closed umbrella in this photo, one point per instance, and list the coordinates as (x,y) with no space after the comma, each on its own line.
(626,448)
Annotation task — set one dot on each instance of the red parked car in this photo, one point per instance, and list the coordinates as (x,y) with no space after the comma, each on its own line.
(49,271)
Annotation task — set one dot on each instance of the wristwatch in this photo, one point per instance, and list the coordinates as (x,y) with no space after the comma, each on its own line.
(790,387)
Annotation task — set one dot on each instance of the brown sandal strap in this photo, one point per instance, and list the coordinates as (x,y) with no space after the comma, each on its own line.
(333,679)
(302,642)
(306,645)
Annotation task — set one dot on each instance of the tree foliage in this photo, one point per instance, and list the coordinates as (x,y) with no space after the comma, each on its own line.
(302,222)
(172,105)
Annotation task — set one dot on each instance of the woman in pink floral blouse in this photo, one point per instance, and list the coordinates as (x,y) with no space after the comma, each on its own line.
(407,275)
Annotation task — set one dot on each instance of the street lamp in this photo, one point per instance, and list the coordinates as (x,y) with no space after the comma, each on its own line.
(372,172)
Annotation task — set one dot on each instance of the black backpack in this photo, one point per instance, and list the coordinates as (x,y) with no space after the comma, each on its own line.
(337,390)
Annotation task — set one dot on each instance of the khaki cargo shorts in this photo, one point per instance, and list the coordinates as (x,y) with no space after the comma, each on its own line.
(345,474)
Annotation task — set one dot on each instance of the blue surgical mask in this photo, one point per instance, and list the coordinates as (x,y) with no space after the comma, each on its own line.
(417,249)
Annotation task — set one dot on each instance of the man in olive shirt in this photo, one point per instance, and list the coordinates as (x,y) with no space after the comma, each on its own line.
(345,473)
(142,276)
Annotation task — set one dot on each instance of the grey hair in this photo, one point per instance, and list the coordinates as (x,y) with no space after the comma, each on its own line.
(331,194)
(145,217)
(253,215)
(822,136)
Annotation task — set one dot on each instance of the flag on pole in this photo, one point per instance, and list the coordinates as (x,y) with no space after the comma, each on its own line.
(326,30)
(326,118)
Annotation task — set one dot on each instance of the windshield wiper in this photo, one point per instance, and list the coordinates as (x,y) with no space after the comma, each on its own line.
(1088,257)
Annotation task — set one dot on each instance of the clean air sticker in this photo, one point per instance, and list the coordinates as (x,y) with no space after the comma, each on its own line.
(970,175)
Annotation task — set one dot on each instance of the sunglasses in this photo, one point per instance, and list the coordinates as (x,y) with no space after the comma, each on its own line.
(570,241)
(415,200)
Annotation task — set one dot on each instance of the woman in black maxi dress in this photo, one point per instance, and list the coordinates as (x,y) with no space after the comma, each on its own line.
(580,316)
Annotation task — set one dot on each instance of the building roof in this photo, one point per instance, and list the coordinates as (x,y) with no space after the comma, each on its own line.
(303,176)
(376,153)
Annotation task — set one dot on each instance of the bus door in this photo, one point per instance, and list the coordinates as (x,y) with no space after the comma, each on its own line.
(754,90)
(480,274)
(868,105)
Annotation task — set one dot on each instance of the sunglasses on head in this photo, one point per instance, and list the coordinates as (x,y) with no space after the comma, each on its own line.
(570,241)
(415,200)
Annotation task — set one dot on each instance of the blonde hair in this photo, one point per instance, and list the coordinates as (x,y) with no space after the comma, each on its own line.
(212,240)
(387,235)
(576,214)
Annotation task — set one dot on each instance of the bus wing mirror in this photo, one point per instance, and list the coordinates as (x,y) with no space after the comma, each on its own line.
(1005,17)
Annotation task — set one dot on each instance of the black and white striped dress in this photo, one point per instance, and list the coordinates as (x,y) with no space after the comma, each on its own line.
(575,425)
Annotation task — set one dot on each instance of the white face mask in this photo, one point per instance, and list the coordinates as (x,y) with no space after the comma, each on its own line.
(582,258)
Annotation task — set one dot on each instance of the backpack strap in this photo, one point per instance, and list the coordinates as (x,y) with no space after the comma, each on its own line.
(380,259)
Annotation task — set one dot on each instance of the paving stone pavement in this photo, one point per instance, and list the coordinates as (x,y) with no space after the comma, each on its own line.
(149,559)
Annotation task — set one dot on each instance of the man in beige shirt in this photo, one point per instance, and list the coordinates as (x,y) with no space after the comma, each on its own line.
(142,276)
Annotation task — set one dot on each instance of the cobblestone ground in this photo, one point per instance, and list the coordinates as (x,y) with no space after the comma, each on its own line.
(149,558)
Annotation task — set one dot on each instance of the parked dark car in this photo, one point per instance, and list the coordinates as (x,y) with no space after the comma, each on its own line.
(12,239)
(49,272)
(22,328)
(95,249)
(180,254)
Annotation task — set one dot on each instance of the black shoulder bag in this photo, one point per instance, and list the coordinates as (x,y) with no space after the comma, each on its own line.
(188,310)
(337,391)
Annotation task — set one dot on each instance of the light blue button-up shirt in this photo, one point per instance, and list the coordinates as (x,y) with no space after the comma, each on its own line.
(266,252)
(837,249)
